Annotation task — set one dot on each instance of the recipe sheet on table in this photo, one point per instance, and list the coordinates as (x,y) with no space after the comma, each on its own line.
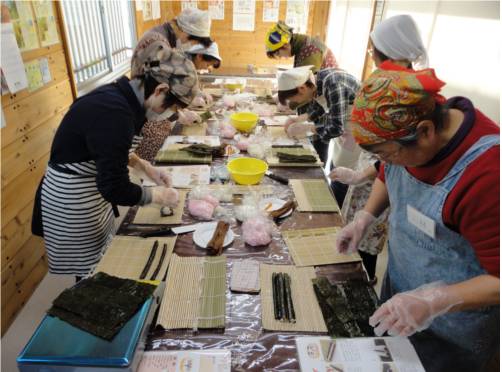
(365,354)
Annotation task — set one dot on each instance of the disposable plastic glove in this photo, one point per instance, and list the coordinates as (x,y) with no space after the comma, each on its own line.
(347,176)
(299,130)
(208,98)
(157,175)
(413,311)
(348,239)
(290,121)
(199,101)
(165,196)
(187,117)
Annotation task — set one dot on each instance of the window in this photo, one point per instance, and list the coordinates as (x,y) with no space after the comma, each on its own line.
(100,36)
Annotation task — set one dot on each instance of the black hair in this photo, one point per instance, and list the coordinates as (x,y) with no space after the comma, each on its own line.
(382,57)
(272,53)
(206,41)
(437,116)
(206,57)
(284,95)
(215,61)
(150,83)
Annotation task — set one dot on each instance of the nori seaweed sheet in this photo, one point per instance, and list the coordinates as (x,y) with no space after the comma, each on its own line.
(346,307)
(101,304)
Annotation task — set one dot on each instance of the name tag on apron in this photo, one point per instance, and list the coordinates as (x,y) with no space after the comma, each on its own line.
(421,221)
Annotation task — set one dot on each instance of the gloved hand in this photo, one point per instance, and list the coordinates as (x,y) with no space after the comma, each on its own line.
(157,175)
(187,117)
(198,101)
(165,196)
(347,176)
(413,311)
(299,130)
(348,239)
(290,121)
(208,98)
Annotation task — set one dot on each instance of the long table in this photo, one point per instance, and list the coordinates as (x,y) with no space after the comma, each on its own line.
(253,349)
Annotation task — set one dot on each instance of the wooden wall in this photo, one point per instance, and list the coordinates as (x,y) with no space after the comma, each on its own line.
(32,119)
(240,48)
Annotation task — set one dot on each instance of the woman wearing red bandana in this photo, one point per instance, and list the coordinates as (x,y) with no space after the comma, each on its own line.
(441,181)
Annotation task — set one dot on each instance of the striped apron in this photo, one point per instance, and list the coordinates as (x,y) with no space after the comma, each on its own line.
(77,221)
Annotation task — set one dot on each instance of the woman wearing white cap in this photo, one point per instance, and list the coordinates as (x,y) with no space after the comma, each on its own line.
(323,100)
(204,58)
(396,40)
(189,28)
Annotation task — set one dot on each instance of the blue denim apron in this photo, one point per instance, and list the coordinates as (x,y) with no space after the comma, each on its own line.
(465,339)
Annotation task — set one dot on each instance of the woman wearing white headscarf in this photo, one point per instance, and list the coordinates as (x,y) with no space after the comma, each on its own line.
(190,27)
(394,41)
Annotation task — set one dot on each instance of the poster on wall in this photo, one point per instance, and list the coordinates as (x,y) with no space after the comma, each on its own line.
(216,9)
(187,4)
(11,62)
(271,10)
(23,22)
(34,75)
(147,10)
(46,22)
(155,9)
(297,15)
(244,15)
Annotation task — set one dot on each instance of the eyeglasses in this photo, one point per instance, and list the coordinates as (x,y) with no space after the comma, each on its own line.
(386,156)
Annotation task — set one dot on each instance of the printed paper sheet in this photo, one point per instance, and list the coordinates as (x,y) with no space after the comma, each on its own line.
(11,61)
(187,4)
(46,22)
(390,354)
(297,15)
(244,12)
(216,9)
(209,360)
(271,10)
(186,176)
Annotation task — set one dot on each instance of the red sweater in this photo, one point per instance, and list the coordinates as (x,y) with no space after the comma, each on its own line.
(472,208)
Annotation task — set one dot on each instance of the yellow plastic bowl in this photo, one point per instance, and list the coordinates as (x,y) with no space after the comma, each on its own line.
(247,171)
(234,86)
(244,121)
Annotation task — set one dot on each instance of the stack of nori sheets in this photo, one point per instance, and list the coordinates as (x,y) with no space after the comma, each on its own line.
(101,304)
(346,307)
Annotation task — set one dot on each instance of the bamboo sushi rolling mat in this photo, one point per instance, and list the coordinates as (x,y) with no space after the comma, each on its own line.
(194,130)
(314,196)
(308,313)
(174,155)
(200,301)
(126,257)
(150,214)
(312,247)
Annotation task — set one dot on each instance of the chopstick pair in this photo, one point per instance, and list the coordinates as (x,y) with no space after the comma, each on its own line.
(149,262)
